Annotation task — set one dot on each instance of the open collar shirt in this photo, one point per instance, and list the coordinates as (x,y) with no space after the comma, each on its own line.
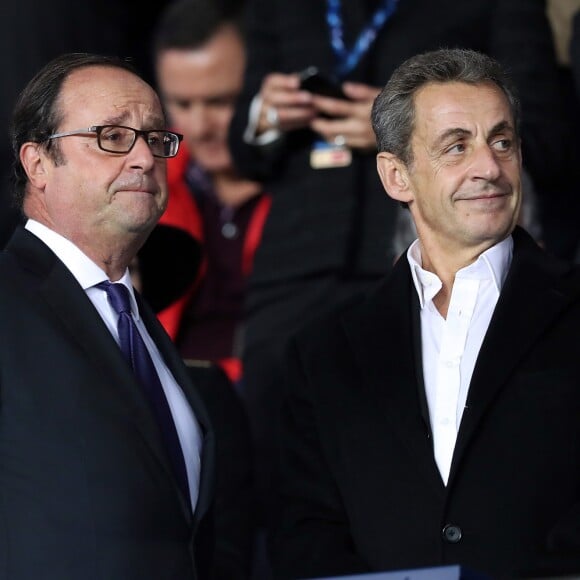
(450,345)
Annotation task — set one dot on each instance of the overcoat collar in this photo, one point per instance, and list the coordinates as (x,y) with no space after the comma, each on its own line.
(385,335)
(537,290)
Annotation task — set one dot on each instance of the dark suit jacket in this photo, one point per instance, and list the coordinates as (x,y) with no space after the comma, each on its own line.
(340,220)
(86,488)
(360,487)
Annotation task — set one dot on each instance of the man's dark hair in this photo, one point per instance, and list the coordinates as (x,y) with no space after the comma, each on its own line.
(189,24)
(393,112)
(37,113)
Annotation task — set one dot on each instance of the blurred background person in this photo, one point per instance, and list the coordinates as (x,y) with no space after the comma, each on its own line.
(194,267)
(330,231)
(199,64)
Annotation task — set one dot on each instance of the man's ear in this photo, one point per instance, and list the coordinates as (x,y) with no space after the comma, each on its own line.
(33,160)
(394,177)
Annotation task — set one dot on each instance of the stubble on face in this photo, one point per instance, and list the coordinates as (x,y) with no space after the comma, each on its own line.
(465,174)
(98,199)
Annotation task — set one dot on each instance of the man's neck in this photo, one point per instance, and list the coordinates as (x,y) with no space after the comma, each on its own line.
(232,190)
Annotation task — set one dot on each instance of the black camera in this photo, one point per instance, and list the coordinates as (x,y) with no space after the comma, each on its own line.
(314,81)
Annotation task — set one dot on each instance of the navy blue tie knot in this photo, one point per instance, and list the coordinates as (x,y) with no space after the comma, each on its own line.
(118,295)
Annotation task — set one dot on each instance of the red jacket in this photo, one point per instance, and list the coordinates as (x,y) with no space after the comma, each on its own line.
(182,212)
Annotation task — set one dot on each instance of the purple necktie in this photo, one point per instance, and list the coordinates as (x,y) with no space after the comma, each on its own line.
(138,357)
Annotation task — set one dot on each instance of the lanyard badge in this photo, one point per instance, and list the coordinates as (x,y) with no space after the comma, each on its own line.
(332,155)
(347,60)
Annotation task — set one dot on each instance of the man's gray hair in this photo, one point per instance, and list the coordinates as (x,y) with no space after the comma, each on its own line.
(393,112)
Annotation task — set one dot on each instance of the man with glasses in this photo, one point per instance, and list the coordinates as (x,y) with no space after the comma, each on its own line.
(120,139)
(106,453)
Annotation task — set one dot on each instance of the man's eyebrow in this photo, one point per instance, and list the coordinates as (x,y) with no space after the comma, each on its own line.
(154,122)
(222,96)
(502,127)
(450,134)
(157,123)
(116,120)
(459,133)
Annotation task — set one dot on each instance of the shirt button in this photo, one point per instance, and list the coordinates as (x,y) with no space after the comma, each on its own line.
(452,534)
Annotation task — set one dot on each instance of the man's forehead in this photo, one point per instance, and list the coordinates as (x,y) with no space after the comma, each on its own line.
(98,75)
(440,106)
(447,91)
(108,94)
(200,71)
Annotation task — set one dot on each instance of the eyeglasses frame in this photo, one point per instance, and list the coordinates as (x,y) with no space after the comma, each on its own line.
(97,130)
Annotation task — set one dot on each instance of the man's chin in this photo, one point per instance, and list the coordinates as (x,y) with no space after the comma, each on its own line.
(213,161)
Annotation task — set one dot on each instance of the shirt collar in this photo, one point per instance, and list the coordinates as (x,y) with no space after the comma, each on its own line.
(494,263)
(84,270)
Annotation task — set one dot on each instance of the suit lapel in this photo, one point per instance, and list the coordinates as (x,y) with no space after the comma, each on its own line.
(536,287)
(70,307)
(385,336)
(392,368)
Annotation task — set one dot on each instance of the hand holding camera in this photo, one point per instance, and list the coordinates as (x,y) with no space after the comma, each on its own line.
(343,109)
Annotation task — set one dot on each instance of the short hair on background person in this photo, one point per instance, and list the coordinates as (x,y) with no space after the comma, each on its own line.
(37,113)
(189,24)
(393,112)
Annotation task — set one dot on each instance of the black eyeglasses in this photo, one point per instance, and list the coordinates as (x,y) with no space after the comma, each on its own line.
(120,139)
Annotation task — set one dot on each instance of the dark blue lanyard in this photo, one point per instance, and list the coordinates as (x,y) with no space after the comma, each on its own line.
(347,60)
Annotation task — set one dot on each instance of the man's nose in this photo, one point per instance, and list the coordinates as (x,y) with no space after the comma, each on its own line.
(485,164)
(199,120)
(141,154)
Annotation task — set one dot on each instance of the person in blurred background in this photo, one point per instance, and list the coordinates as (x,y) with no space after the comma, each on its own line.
(194,266)
(199,63)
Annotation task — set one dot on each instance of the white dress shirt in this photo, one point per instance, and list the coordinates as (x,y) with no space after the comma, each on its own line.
(450,346)
(250,134)
(88,275)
